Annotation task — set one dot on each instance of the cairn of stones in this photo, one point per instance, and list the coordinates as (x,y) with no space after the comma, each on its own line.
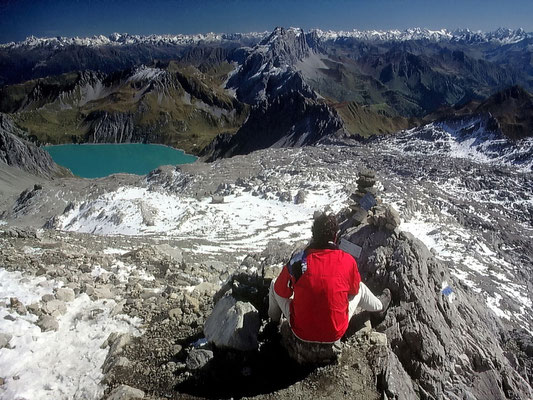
(368,207)
(365,185)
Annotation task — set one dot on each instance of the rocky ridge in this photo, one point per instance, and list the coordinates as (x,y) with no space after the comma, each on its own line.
(19,153)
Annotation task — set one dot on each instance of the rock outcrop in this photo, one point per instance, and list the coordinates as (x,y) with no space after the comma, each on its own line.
(111,127)
(19,153)
(290,120)
(442,333)
(233,324)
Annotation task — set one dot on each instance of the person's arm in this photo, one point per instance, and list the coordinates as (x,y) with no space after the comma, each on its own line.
(355,279)
(283,286)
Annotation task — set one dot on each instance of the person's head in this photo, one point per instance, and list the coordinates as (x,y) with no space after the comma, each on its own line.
(325,229)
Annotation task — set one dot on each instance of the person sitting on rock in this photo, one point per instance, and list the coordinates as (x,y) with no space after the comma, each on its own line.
(318,291)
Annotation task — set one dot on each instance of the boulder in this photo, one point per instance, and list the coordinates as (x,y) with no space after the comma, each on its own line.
(300,197)
(117,343)
(102,292)
(175,313)
(111,363)
(54,307)
(384,216)
(47,323)
(198,358)
(16,305)
(4,339)
(125,392)
(217,200)
(233,324)
(65,294)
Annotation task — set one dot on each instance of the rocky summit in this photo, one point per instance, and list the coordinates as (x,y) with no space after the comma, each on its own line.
(157,284)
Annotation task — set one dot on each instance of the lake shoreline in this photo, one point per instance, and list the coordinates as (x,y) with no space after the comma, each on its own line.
(44,146)
(98,160)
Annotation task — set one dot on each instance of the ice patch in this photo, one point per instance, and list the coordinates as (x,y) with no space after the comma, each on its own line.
(145,74)
(468,138)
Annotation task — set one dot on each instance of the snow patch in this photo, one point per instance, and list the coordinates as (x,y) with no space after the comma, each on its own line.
(57,364)
(242,222)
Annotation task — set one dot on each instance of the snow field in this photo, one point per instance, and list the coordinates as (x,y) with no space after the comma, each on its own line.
(242,222)
(62,364)
(471,260)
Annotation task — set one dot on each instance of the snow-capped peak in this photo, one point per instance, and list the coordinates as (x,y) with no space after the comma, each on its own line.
(390,35)
(144,73)
(499,36)
(120,39)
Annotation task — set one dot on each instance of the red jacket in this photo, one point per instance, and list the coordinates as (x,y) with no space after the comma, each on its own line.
(319,309)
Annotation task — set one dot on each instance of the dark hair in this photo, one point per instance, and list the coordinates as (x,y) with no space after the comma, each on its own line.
(324,230)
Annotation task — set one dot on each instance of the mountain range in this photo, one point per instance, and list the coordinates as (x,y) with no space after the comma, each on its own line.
(129,272)
(220,95)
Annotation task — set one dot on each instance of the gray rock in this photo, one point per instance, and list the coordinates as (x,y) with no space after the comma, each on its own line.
(47,323)
(170,251)
(47,297)
(424,324)
(217,200)
(198,358)
(102,292)
(125,392)
(384,216)
(175,313)
(206,288)
(16,305)
(284,196)
(65,294)
(4,339)
(112,362)
(233,324)
(300,197)
(54,307)
(378,338)
(22,154)
(117,343)
(148,214)
(392,379)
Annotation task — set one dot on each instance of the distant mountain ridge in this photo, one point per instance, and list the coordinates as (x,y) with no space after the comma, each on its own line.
(170,104)
(124,39)
(500,35)
(285,88)
(511,111)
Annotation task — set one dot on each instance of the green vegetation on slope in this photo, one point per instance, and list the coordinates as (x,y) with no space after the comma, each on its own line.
(366,121)
(179,106)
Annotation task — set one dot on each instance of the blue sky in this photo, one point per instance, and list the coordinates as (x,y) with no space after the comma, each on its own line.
(22,18)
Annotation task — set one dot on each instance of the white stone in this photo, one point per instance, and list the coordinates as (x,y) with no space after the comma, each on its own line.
(65,294)
(233,324)
(55,307)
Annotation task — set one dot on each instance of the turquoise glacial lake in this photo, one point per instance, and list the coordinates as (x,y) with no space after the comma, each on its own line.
(99,160)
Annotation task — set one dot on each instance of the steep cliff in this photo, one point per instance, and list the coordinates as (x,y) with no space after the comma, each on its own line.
(19,153)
